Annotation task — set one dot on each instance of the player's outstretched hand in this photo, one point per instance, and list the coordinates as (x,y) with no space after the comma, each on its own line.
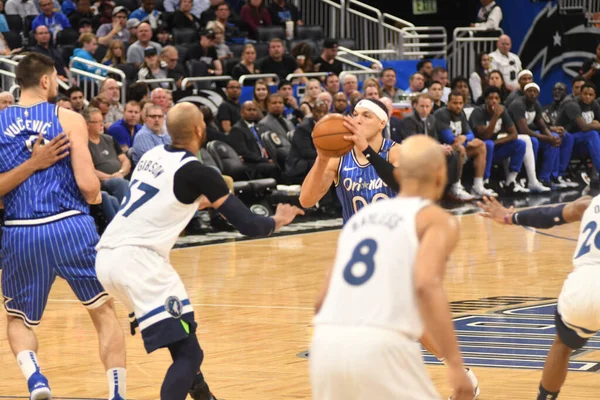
(492,209)
(359,139)
(285,214)
(46,155)
(460,383)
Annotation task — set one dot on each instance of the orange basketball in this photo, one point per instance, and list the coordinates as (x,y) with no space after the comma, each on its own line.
(328,136)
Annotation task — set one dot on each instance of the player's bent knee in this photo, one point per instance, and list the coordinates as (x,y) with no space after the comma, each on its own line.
(188,349)
(568,336)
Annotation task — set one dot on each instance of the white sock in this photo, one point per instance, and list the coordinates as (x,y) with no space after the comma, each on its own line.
(28,362)
(478,183)
(529,159)
(116,383)
(511,177)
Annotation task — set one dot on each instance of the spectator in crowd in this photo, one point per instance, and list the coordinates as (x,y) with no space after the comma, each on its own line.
(222,14)
(183,18)
(153,68)
(326,61)
(83,11)
(302,53)
(245,138)
(54,20)
(355,97)
(229,109)
(478,81)
(527,114)
(492,122)
(247,65)
(89,44)
(115,54)
(416,83)
(144,105)
(63,102)
(489,15)
(131,25)
(124,130)
(283,11)
(523,78)
(332,83)
(223,51)
(388,81)
(254,14)
(261,95)
(198,6)
(576,84)
(210,14)
(371,89)
(163,36)
(274,121)
(160,97)
(117,29)
(340,104)
(454,130)
(277,62)
(85,26)
(205,51)
(77,100)
(212,130)
(394,125)
(303,153)
(435,91)
(147,13)
(104,15)
(152,134)
(6,100)
(138,92)
(580,117)
(509,64)
(310,96)
(101,104)
(22,8)
(135,52)
(111,164)
(349,84)
(44,46)
(559,93)
(176,71)
(461,84)
(327,98)
(291,110)
(496,79)
(440,74)
(111,91)
(425,68)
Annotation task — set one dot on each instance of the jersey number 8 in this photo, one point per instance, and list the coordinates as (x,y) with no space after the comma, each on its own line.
(364,254)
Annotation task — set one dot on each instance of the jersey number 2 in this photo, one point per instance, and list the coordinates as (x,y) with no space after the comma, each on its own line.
(585,246)
(363,253)
(148,193)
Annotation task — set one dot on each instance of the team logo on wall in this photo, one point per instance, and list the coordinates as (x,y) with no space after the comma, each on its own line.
(556,38)
(205,97)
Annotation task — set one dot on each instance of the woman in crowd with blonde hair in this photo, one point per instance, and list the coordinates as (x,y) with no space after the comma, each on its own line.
(223,51)
(313,88)
(261,95)
(115,54)
(247,65)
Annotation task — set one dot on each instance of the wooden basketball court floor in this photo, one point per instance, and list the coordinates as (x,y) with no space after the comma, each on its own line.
(254,303)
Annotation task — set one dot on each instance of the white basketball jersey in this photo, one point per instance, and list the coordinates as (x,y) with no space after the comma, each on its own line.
(372,279)
(151,216)
(588,246)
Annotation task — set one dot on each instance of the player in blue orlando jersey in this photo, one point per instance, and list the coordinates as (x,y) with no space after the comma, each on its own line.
(357,181)
(48,230)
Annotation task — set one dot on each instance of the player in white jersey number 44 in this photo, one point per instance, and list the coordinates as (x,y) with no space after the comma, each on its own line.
(577,316)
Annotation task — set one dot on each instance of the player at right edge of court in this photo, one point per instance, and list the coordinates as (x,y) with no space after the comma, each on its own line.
(577,316)
(386,287)
(167,187)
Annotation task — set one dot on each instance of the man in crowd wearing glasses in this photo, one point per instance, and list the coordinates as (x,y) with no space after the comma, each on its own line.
(151,135)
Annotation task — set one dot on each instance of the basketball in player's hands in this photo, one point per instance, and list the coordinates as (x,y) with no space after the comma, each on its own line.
(328,136)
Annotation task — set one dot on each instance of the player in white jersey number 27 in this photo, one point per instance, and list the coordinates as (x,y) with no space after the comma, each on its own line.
(385,288)
(577,316)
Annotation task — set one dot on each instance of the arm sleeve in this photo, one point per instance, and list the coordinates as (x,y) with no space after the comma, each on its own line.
(384,169)
(446,136)
(194,179)
(540,217)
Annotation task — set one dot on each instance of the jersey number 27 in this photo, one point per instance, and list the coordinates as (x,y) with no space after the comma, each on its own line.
(147,192)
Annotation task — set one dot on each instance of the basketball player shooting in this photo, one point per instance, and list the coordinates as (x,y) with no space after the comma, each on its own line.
(577,317)
(385,287)
(48,231)
(167,187)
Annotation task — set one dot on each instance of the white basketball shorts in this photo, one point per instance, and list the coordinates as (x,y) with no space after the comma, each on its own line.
(579,301)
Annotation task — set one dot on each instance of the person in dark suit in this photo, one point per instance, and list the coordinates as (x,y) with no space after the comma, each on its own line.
(274,121)
(394,125)
(303,152)
(245,139)
(419,122)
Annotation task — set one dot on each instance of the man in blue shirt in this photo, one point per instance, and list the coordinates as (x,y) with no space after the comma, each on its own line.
(55,21)
(125,129)
(147,13)
(151,134)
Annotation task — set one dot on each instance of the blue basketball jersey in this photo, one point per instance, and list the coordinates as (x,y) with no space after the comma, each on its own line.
(359,185)
(47,192)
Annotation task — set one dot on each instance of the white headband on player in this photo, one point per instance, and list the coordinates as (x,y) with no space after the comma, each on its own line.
(531,85)
(374,108)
